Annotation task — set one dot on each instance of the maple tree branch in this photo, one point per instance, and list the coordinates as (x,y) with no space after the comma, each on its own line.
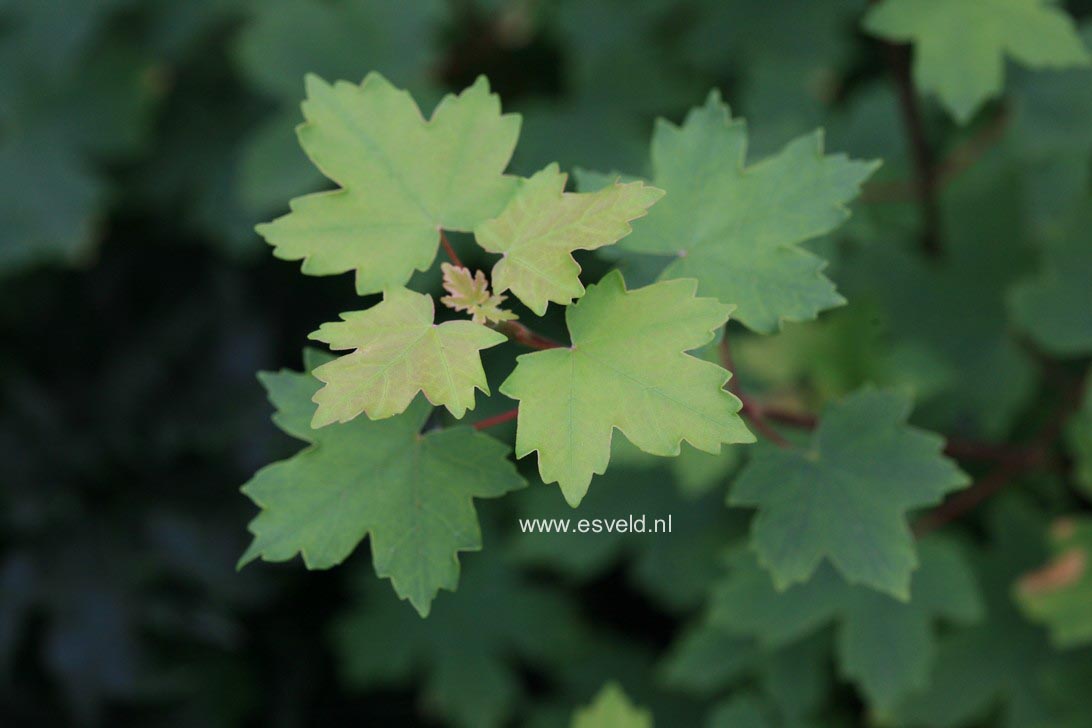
(498,419)
(958,448)
(450,251)
(1015,463)
(521,334)
(925,177)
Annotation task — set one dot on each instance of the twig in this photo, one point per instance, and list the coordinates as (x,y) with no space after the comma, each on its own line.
(499,419)
(967,500)
(451,254)
(1017,462)
(521,334)
(925,178)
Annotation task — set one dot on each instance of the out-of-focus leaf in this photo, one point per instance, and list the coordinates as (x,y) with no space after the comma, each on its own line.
(468,652)
(884,646)
(1034,32)
(863,462)
(737,229)
(1059,593)
(612,708)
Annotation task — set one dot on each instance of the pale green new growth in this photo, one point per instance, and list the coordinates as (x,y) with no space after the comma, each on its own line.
(960,45)
(542,226)
(471,294)
(737,229)
(612,708)
(844,497)
(1059,595)
(400,352)
(412,494)
(402,178)
(626,370)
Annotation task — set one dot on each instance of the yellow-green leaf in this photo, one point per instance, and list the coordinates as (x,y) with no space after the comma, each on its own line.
(400,352)
(542,226)
(402,178)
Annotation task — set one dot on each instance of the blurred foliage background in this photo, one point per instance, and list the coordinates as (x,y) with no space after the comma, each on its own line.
(141,140)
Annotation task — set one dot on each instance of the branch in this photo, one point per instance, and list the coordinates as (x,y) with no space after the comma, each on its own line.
(1016,463)
(925,177)
(495,420)
(954,447)
(451,254)
(521,334)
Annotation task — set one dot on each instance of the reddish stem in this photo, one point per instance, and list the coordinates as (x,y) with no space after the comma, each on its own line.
(521,334)
(925,177)
(451,254)
(495,420)
(956,448)
(1016,462)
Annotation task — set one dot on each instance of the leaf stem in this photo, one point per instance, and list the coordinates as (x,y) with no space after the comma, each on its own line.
(498,419)
(450,251)
(521,334)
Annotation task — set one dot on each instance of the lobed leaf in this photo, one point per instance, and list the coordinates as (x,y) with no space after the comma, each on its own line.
(542,226)
(412,494)
(402,178)
(399,352)
(737,229)
(844,498)
(626,370)
(963,68)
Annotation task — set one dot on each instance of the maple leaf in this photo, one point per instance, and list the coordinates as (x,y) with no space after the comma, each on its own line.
(573,398)
(400,352)
(709,657)
(843,498)
(974,672)
(737,229)
(471,294)
(612,708)
(541,227)
(412,494)
(1055,306)
(966,68)
(402,178)
(462,656)
(1059,593)
(884,645)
